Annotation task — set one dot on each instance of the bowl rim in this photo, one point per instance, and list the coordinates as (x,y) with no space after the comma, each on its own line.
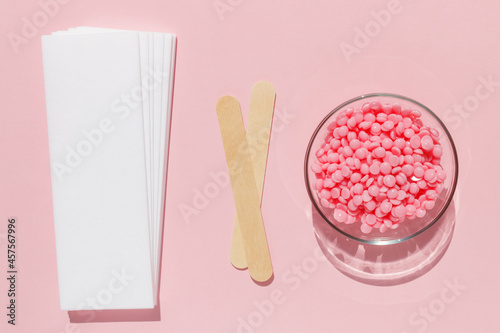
(389,241)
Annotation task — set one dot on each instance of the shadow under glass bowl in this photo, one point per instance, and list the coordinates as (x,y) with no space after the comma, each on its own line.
(407,229)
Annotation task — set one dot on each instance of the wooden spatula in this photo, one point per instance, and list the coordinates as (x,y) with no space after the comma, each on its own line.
(245,193)
(258,132)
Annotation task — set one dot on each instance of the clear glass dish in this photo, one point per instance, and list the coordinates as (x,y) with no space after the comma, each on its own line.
(407,229)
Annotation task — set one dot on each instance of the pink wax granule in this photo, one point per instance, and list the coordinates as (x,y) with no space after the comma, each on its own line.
(379,165)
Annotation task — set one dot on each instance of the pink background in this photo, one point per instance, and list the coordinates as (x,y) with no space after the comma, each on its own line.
(433,52)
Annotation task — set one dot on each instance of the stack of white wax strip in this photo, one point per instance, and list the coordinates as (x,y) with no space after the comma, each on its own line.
(108,98)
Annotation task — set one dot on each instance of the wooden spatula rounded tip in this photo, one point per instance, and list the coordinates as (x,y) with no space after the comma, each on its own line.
(264,86)
(227,103)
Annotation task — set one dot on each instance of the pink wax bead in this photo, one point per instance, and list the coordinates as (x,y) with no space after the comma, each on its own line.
(318,185)
(376,106)
(351,136)
(365,169)
(408,133)
(316,168)
(355,144)
(429,174)
(365,228)
(410,209)
(400,143)
(380,182)
(340,215)
(341,120)
(396,170)
(332,168)
(370,205)
(366,196)
(415,142)
(416,113)
(357,163)
(437,151)
(422,184)
(407,122)
(374,169)
(399,211)
(385,168)
(407,169)
(375,128)
(396,108)
(405,112)
(400,128)
(389,180)
(345,171)
(408,151)
(371,219)
(358,188)
(387,143)
(418,172)
(363,136)
(395,118)
(378,213)
(335,144)
(396,151)
(427,143)
(342,131)
(379,152)
(381,118)
(392,193)
(351,206)
(325,203)
(369,181)
(430,204)
(361,153)
(393,160)
(387,126)
(357,200)
(385,207)
(420,213)
(370,117)
(373,146)
(373,190)
(355,177)
(351,123)
(325,194)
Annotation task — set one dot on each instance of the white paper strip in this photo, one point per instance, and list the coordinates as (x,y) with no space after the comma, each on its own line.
(108,95)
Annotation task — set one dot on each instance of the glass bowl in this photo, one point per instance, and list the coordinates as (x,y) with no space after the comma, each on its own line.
(407,229)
